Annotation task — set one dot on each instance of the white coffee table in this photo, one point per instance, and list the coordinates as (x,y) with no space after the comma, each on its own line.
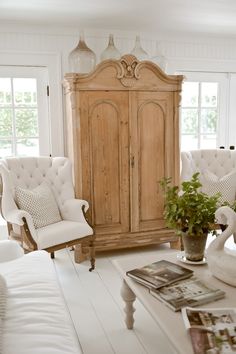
(170,322)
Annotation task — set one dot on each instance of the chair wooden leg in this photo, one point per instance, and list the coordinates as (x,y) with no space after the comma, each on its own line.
(52,255)
(92,255)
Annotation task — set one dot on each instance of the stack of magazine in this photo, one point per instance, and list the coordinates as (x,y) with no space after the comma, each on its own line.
(174,285)
(212,330)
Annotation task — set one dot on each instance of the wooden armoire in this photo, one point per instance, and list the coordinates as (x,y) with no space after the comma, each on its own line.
(122,138)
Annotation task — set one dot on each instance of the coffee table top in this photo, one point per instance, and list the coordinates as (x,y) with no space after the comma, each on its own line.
(169,321)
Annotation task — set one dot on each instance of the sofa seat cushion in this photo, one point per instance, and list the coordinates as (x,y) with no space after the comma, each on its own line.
(36,319)
(3,297)
(3,301)
(60,232)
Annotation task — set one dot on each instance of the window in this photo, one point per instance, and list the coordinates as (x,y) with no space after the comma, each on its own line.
(199,115)
(24,126)
(203,111)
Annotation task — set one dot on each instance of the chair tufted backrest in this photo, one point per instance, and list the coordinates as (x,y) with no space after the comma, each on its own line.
(30,172)
(218,161)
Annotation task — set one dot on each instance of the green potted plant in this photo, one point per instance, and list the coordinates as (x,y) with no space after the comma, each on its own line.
(190,213)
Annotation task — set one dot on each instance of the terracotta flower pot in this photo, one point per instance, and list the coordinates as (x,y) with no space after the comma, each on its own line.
(194,246)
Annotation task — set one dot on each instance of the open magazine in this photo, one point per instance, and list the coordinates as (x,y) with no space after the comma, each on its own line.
(212,331)
(187,292)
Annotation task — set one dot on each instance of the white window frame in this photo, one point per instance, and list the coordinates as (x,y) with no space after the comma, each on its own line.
(223,96)
(51,61)
(232,110)
(41,76)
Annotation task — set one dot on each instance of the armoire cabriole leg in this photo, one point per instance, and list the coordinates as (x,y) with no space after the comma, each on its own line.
(129,297)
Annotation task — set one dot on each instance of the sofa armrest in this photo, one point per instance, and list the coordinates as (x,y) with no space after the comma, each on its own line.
(10,250)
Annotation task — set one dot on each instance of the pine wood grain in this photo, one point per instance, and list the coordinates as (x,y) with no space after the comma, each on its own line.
(123,137)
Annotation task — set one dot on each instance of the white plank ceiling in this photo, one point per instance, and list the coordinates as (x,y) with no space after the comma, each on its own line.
(216,17)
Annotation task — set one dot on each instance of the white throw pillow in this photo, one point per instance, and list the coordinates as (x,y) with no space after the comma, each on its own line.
(39,203)
(226,185)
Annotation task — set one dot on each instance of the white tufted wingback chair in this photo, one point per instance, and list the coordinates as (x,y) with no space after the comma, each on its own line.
(218,161)
(221,162)
(30,172)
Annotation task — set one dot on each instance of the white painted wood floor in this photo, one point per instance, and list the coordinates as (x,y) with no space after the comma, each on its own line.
(96,308)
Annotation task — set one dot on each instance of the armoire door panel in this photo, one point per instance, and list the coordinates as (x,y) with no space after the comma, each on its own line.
(104,129)
(108,159)
(150,126)
(150,119)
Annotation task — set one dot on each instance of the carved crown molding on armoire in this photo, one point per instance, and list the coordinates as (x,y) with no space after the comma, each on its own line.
(123,137)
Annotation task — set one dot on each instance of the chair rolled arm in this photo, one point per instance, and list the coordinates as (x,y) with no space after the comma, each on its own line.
(10,250)
(15,216)
(73,210)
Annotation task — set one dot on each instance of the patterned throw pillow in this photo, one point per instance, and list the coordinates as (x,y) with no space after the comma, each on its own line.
(39,203)
(226,185)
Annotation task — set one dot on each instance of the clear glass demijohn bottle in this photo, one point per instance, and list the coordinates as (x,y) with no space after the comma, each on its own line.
(111,52)
(138,51)
(159,58)
(82,59)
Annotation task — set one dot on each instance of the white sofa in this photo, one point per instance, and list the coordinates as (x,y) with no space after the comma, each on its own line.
(36,317)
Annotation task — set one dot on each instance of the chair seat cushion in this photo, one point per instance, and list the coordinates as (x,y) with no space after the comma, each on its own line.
(60,232)
(39,203)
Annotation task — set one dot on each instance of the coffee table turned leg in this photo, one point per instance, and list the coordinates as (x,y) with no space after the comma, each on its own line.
(129,297)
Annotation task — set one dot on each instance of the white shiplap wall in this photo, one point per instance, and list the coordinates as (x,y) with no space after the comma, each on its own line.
(44,43)
(63,40)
